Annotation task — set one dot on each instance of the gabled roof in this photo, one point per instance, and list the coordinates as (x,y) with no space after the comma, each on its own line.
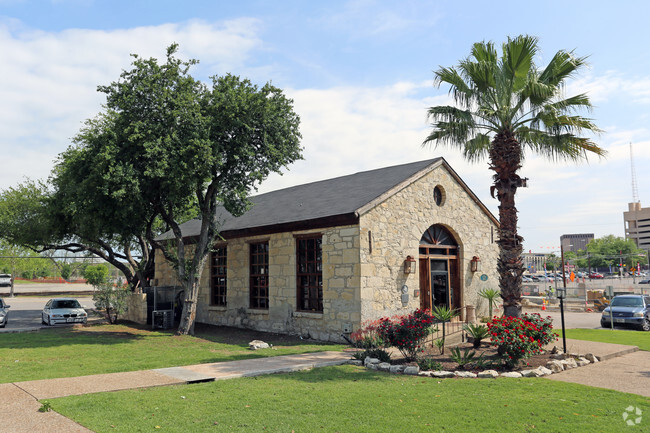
(337,201)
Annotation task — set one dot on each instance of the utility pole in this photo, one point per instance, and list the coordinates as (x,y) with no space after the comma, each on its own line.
(620,264)
(563,295)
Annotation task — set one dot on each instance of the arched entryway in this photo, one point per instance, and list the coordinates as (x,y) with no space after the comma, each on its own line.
(439,269)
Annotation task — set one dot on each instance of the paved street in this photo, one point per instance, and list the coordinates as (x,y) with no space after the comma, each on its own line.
(572,319)
(46,289)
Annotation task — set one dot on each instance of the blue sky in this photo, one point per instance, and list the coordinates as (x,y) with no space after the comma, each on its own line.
(360,73)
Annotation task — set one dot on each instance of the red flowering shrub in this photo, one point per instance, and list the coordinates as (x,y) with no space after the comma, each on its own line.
(519,338)
(543,329)
(368,336)
(406,333)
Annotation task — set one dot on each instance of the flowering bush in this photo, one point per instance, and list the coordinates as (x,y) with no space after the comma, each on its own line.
(406,333)
(518,338)
(368,337)
(543,329)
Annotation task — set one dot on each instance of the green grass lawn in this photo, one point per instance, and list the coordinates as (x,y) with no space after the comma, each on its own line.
(353,399)
(100,349)
(617,336)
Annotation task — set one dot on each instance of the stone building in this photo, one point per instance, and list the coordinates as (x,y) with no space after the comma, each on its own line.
(320,259)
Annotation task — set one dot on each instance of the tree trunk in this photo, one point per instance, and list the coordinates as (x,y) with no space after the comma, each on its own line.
(505,160)
(186,327)
(191,284)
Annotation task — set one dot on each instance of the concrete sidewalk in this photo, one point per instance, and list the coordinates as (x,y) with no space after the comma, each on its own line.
(603,351)
(622,368)
(20,400)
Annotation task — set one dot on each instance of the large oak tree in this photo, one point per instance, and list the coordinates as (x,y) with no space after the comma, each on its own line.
(166,148)
(173,143)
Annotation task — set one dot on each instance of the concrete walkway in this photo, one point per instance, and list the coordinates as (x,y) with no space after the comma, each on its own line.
(20,400)
(623,368)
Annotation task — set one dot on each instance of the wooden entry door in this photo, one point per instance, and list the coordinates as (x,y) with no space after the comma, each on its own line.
(439,282)
(425,284)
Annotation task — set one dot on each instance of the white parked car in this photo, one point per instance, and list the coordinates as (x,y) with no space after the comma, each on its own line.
(5,279)
(63,310)
(4,314)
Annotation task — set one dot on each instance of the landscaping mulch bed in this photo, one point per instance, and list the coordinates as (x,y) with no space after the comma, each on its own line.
(489,353)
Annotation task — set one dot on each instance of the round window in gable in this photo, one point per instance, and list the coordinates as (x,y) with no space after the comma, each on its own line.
(439,195)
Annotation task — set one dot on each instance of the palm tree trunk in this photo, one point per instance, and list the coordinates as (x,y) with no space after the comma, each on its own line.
(505,160)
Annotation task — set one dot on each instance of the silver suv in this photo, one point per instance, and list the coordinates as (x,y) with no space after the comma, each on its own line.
(628,310)
(5,279)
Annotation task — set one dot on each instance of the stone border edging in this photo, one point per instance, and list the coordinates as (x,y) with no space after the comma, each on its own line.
(560,363)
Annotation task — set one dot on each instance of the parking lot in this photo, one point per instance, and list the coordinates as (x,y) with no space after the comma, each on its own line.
(25,311)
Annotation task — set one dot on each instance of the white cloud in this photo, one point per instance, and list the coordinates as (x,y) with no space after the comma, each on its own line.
(347,129)
(50,79)
(601,88)
(49,88)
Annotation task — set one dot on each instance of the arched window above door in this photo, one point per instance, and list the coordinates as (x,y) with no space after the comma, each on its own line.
(438,240)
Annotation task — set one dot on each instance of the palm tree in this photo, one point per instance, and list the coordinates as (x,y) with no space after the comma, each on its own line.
(503,106)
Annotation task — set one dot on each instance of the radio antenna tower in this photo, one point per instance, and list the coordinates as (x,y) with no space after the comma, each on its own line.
(635,191)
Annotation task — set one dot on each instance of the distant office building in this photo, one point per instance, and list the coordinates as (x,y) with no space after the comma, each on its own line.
(575,242)
(637,225)
(534,262)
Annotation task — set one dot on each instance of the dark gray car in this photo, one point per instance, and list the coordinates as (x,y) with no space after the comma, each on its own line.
(628,310)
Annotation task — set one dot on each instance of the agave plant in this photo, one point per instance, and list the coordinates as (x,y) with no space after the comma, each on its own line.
(464,358)
(443,314)
(477,332)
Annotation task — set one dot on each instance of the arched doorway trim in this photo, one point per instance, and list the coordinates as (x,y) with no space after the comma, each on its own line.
(439,269)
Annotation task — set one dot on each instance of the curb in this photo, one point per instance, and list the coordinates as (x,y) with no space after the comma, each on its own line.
(617,354)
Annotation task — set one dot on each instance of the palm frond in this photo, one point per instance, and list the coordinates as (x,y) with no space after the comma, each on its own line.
(517,59)
(477,148)
(573,103)
(449,113)
(459,89)
(484,52)
(538,92)
(480,74)
(453,134)
(554,121)
(560,146)
(562,66)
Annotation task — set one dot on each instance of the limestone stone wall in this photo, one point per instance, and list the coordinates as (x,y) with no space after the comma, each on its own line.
(394,228)
(136,308)
(341,279)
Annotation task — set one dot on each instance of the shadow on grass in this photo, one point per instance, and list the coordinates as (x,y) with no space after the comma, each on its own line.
(86,335)
(347,373)
(241,337)
(125,332)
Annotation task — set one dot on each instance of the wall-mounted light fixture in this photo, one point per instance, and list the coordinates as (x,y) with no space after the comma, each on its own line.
(475,264)
(409,265)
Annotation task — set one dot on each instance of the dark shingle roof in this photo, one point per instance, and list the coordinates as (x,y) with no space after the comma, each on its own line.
(313,201)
